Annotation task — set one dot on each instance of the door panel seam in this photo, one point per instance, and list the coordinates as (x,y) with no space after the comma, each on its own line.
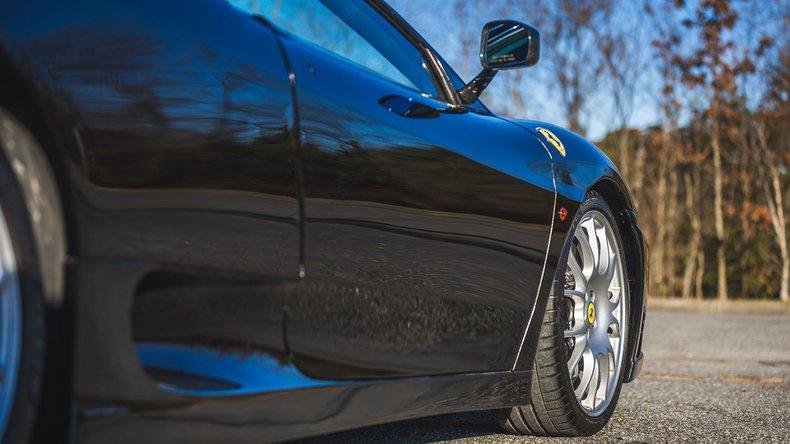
(295,134)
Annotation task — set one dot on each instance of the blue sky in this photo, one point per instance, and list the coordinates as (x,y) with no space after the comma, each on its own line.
(439,24)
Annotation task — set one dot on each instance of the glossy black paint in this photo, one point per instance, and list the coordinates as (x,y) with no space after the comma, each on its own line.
(227,195)
(304,413)
(422,250)
(182,172)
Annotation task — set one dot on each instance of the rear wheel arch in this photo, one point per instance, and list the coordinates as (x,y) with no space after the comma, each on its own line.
(33,175)
(28,150)
(20,98)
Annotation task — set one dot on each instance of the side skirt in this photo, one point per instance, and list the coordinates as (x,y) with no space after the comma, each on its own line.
(302,413)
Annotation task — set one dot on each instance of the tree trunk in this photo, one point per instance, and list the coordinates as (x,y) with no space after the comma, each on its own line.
(718,211)
(783,292)
(773,193)
(671,249)
(778,221)
(623,142)
(700,274)
(659,272)
(639,173)
(745,241)
(695,240)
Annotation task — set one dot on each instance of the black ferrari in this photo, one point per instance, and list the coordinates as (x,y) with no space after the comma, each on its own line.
(261,220)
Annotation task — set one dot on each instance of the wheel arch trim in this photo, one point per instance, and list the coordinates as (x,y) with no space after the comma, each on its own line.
(616,195)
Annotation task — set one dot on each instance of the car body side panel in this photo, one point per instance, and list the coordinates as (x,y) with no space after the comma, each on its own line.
(425,238)
(185,193)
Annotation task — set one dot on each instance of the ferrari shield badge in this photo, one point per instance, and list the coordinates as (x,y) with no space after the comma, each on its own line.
(553,139)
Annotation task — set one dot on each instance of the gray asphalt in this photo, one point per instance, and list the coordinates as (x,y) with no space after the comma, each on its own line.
(706,378)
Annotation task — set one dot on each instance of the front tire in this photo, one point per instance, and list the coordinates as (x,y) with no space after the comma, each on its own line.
(578,366)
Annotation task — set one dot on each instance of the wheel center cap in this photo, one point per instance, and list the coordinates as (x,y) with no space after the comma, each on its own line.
(590,313)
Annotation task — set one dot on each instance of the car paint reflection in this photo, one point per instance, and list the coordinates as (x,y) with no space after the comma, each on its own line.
(233,373)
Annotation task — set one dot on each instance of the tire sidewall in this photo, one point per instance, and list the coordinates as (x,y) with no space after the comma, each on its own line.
(588,424)
(32,347)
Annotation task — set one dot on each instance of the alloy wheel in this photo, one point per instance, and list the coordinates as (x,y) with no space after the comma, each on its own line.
(10,324)
(596,309)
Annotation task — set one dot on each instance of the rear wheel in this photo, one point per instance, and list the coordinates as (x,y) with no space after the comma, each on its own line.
(10,324)
(31,279)
(577,371)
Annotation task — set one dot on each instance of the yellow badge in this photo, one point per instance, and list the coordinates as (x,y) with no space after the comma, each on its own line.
(553,139)
(591,313)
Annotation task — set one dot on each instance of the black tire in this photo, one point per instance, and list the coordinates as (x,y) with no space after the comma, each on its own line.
(27,187)
(553,409)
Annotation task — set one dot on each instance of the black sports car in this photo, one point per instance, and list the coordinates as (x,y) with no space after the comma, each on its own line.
(265,220)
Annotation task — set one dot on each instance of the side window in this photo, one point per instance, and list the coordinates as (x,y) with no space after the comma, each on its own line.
(352,30)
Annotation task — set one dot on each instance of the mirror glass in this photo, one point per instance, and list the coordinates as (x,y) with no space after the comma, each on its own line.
(507,44)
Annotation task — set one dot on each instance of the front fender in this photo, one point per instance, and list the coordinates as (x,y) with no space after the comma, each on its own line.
(579,168)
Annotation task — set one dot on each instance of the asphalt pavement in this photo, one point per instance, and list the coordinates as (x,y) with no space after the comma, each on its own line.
(707,377)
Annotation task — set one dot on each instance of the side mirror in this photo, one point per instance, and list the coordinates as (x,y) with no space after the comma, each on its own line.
(507,44)
(504,44)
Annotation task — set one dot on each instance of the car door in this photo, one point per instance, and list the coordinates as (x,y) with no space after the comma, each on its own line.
(426,226)
(186,191)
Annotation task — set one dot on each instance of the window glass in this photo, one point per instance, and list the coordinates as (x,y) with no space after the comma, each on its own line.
(352,30)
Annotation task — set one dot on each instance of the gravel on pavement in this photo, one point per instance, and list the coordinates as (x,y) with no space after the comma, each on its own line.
(707,377)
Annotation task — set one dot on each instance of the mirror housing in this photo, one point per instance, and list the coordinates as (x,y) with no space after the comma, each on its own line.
(504,44)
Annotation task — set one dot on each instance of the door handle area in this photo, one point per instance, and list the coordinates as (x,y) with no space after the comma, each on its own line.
(409,107)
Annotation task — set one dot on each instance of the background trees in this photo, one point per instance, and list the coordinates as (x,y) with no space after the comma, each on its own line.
(691,99)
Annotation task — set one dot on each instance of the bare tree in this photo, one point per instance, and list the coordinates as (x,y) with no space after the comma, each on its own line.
(712,69)
(772,186)
(777,115)
(665,45)
(623,57)
(576,68)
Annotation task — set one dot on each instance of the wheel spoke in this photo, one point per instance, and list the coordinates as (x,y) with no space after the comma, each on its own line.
(587,265)
(603,376)
(591,241)
(576,270)
(575,295)
(611,270)
(577,330)
(587,374)
(605,256)
(576,355)
(592,386)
